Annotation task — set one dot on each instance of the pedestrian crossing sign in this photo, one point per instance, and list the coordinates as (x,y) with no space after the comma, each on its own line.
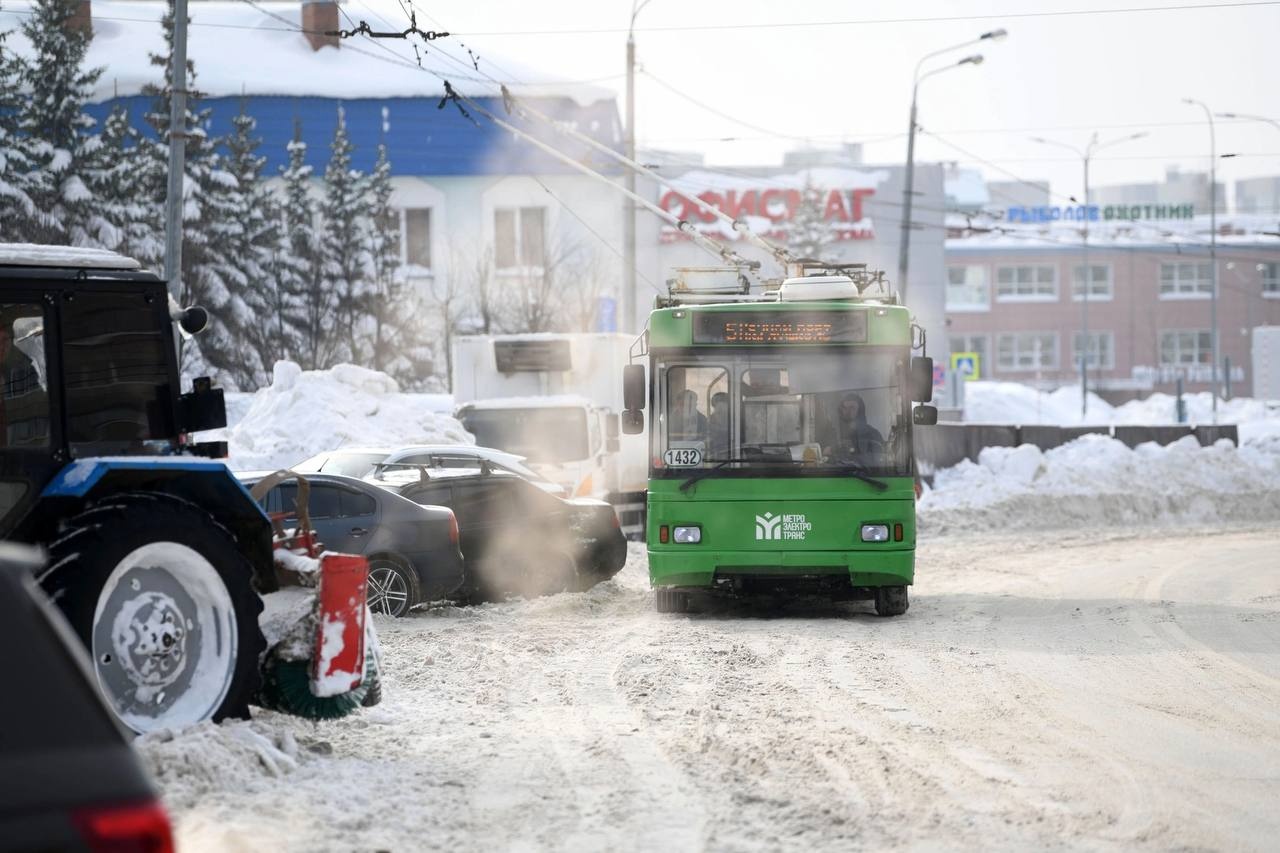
(967,364)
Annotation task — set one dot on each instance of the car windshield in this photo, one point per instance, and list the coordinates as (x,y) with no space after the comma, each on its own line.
(782,409)
(543,435)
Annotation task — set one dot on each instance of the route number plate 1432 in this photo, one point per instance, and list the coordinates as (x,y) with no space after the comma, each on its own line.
(682,457)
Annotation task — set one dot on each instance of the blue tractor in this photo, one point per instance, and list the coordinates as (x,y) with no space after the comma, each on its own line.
(157,555)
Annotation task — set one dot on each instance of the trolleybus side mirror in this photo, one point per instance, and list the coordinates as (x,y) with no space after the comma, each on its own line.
(924,415)
(921,379)
(632,422)
(633,390)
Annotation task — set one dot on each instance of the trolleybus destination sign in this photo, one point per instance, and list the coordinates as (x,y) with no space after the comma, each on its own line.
(780,327)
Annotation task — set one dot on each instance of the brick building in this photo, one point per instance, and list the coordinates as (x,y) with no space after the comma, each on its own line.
(1015,298)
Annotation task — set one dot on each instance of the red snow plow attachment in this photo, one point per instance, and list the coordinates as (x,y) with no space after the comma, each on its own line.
(321,660)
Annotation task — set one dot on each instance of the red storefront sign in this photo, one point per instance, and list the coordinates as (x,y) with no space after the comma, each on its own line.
(770,211)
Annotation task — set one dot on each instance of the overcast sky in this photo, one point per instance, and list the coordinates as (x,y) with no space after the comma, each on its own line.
(1057,76)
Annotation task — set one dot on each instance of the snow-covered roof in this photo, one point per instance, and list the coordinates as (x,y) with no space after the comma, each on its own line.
(989,233)
(32,255)
(240,49)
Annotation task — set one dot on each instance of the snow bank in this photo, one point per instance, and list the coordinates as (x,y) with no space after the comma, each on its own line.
(205,758)
(1098,481)
(1014,403)
(305,412)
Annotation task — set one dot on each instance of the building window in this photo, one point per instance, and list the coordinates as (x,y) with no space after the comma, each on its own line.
(417,237)
(1099,282)
(1186,346)
(1270,280)
(1101,351)
(1186,279)
(967,288)
(1037,282)
(976,344)
(519,237)
(1027,351)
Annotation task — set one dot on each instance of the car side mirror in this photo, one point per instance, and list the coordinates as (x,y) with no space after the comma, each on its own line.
(632,422)
(921,379)
(633,387)
(924,415)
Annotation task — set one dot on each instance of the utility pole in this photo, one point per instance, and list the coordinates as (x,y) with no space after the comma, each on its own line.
(908,179)
(1213,251)
(177,151)
(1086,279)
(629,209)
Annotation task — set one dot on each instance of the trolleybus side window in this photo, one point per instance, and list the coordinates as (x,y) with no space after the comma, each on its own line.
(697,410)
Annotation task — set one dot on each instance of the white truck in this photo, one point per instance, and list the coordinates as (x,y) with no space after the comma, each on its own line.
(555,399)
(1266,362)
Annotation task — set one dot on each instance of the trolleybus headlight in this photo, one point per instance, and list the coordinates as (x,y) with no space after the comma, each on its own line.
(687,535)
(875,533)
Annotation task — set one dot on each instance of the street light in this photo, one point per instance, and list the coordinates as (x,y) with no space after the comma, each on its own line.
(629,214)
(1247,117)
(908,190)
(1086,283)
(1213,249)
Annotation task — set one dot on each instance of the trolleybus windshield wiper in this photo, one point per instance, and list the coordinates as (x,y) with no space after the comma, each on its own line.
(860,473)
(707,472)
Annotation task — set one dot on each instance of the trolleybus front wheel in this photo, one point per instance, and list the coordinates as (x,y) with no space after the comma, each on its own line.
(891,600)
(667,600)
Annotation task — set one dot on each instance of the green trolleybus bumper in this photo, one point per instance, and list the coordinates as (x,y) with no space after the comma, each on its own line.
(742,571)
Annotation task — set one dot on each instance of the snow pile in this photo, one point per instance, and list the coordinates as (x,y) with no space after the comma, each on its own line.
(1098,481)
(204,758)
(1013,403)
(307,412)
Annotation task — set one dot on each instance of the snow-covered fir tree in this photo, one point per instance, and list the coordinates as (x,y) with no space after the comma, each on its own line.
(344,253)
(308,305)
(53,119)
(16,206)
(126,215)
(255,251)
(396,315)
(809,233)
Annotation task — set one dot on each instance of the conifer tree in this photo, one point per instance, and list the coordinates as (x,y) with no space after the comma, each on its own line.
(126,216)
(53,119)
(343,251)
(808,233)
(307,305)
(254,250)
(396,313)
(16,206)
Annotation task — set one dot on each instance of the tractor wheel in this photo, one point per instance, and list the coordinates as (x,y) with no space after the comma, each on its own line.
(393,586)
(667,600)
(162,598)
(891,600)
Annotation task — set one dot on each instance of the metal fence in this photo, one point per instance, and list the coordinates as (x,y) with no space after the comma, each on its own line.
(948,444)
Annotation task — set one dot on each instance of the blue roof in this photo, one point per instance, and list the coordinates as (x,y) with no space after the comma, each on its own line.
(421,139)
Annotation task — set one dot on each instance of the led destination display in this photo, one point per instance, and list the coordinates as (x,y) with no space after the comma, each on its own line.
(780,327)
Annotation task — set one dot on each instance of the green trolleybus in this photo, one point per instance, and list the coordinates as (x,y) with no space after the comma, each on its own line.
(780,442)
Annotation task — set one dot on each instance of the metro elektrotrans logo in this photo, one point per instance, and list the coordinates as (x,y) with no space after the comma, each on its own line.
(768,526)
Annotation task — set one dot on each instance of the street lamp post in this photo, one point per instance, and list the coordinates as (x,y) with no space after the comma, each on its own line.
(1247,117)
(908,180)
(629,209)
(1213,250)
(1086,281)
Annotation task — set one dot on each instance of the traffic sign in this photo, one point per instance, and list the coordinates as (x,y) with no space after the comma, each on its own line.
(967,364)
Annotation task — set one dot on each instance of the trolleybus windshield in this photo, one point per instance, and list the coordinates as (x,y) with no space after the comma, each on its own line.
(784,409)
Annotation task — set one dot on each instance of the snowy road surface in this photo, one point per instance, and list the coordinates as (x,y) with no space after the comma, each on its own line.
(1041,692)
